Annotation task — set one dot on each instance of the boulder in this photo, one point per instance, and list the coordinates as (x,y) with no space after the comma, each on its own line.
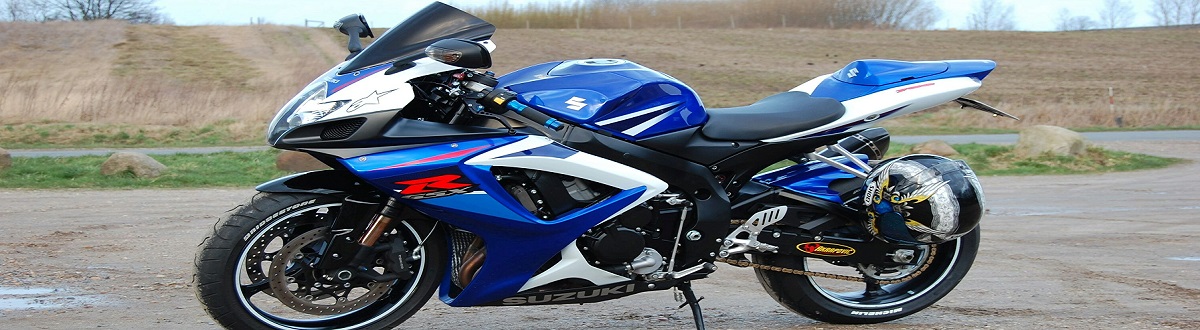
(1038,140)
(5,159)
(295,161)
(139,164)
(935,147)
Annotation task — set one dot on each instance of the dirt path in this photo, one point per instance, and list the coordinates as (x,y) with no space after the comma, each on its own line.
(1111,251)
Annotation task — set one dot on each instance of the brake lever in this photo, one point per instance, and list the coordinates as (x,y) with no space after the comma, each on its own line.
(478,110)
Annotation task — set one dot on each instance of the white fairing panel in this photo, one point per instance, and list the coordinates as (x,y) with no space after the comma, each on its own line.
(581,165)
(381,92)
(863,112)
(573,265)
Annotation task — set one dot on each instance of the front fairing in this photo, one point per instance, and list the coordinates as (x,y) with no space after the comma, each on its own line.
(359,86)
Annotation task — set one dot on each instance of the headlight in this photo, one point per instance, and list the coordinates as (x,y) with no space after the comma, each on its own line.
(307,107)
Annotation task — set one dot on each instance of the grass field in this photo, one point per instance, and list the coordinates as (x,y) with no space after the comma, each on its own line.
(175,85)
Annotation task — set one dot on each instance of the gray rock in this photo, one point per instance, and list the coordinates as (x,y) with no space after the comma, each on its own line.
(139,164)
(295,161)
(1039,140)
(5,159)
(935,147)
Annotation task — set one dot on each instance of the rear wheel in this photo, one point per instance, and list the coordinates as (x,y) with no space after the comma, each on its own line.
(939,269)
(253,271)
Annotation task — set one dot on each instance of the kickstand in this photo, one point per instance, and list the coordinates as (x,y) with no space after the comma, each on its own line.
(697,316)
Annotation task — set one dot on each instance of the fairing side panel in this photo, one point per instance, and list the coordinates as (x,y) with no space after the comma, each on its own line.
(812,178)
(453,182)
(863,112)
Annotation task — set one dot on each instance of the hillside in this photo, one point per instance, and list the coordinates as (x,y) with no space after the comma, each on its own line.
(159,78)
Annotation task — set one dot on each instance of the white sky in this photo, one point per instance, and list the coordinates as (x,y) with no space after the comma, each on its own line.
(1032,15)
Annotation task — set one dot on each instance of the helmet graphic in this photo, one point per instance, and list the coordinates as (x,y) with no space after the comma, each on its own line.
(922,199)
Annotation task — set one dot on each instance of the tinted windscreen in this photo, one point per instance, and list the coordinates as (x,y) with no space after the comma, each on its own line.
(407,41)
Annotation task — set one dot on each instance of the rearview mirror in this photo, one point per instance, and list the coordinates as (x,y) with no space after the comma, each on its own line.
(356,27)
(460,53)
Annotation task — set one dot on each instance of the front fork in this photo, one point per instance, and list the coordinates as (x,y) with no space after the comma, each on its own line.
(351,244)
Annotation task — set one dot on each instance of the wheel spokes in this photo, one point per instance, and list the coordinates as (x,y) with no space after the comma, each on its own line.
(249,290)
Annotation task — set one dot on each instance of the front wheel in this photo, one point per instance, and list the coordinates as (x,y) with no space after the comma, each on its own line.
(939,269)
(253,271)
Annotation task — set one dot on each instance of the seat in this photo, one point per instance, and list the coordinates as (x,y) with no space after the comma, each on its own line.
(777,115)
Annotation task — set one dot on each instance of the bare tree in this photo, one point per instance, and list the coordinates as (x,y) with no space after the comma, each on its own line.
(19,10)
(991,15)
(1175,12)
(134,11)
(885,14)
(1068,22)
(904,14)
(1116,14)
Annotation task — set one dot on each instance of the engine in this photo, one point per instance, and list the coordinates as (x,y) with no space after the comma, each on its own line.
(633,243)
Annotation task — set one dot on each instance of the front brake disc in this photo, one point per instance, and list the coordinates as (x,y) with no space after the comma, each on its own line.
(298,286)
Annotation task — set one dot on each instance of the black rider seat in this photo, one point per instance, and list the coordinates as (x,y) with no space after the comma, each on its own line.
(777,115)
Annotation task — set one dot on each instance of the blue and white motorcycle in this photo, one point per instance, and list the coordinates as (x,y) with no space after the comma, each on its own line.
(586,180)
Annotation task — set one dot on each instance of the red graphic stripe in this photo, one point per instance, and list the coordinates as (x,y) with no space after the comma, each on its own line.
(434,158)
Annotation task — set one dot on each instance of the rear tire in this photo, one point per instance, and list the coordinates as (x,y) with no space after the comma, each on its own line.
(806,296)
(234,260)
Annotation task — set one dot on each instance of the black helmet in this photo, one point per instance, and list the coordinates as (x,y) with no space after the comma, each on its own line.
(922,199)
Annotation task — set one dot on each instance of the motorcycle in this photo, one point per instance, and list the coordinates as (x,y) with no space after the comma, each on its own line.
(574,182)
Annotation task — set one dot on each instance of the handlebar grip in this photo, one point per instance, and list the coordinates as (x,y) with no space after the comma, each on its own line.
(534,115)
(501,100)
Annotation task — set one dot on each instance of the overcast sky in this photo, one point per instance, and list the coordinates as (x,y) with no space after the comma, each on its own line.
(1032,15)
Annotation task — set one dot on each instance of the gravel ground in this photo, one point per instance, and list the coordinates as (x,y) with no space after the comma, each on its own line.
(1115,251)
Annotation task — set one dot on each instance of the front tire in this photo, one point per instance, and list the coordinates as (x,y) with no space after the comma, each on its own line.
(238,277)
(815,299)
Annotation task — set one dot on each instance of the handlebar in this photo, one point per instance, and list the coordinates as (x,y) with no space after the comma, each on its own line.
(500,101)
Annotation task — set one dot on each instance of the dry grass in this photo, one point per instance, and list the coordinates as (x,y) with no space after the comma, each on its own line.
(108,73)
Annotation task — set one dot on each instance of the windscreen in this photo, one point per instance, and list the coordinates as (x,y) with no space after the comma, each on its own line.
(407,41)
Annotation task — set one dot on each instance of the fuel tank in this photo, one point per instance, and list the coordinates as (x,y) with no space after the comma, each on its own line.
(613,95)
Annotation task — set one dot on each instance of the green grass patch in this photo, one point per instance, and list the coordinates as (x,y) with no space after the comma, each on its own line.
(988,159)
(907,129)
(58,136)
(228,169)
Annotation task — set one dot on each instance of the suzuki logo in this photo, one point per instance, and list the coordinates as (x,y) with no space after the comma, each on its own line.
(576,103)
(853,73)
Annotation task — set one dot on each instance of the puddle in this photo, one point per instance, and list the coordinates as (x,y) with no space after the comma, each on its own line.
(41,298)
(24,303)
(22,292)
(1185,258)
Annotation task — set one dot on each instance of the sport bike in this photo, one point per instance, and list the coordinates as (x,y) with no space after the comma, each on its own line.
(587,180)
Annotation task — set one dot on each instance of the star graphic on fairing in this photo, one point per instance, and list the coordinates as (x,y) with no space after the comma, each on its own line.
(369,99)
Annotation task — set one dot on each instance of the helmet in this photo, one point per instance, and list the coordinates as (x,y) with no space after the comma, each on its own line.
(922,199)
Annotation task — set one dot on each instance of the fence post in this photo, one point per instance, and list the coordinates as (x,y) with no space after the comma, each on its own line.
(577,23)
(784,21)
(1112,107)
(732,23)
(526,24)
(679,21)
(631,22)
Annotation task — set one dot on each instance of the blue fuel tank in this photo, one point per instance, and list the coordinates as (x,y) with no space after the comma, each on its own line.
(618,96)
